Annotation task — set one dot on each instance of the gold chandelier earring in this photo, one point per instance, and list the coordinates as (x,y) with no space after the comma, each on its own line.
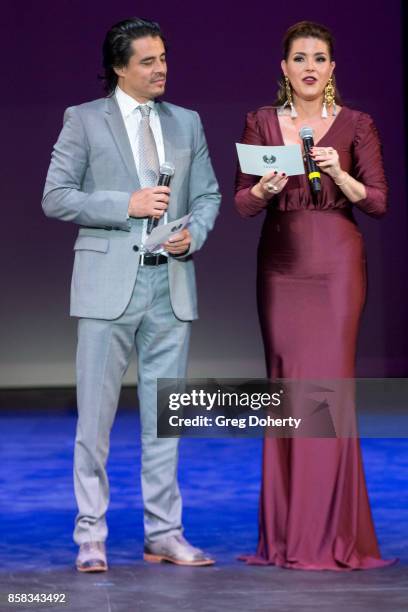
(329,99)
(289,98)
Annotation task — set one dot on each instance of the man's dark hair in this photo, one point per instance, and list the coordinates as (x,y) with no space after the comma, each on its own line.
(117,47)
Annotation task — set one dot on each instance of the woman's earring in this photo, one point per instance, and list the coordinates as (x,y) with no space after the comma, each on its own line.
(329,98)
(289,99)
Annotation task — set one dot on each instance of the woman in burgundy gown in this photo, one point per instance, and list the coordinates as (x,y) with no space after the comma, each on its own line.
(314,508)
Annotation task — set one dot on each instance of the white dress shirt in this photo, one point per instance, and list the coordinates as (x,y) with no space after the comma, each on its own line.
(132,116)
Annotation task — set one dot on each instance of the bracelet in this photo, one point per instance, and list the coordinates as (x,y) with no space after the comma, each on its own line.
(344,182)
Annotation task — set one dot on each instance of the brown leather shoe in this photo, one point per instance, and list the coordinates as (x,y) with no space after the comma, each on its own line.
(92,557)
(175,549)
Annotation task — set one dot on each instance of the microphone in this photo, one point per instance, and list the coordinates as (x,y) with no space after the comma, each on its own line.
(306,134)
(166,172)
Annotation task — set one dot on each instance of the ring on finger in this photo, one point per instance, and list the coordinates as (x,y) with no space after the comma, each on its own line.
(271,187)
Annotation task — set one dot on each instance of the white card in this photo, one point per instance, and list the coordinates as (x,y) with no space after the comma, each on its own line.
(162,233)
(260,160)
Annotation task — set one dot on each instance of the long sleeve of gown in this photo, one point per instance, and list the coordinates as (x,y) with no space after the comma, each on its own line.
(368,167)
(247,204)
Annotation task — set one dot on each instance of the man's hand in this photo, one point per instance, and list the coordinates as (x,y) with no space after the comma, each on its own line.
(149,202)
(179,243)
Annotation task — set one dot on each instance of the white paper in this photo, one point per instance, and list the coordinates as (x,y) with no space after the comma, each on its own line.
(162,233)
(260,160)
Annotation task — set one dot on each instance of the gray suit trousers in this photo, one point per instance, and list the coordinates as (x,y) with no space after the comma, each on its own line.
(104,348)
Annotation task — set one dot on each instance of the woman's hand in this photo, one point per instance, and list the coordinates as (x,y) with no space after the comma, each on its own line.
(271,184)
(327,160)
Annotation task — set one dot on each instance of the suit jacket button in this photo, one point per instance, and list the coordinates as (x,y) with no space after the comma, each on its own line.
(135,247)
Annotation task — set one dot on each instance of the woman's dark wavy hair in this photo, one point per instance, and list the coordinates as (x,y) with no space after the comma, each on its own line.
(305,29)
(117,46)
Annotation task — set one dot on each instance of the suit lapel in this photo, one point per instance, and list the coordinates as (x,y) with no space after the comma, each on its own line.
(169,130)
(117,127)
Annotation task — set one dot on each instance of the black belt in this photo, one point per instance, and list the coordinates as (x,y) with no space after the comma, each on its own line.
(150,259)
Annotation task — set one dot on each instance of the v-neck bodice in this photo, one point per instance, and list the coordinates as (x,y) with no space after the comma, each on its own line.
(355,138)
(321,140)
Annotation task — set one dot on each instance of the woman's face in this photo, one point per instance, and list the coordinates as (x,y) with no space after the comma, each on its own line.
(308,67)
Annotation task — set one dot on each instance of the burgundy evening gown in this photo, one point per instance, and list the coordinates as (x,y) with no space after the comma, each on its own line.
(314,508)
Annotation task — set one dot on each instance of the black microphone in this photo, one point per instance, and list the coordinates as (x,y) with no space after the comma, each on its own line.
(306,134)
(166,172)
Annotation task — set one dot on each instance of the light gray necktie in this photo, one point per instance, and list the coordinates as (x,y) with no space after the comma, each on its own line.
(149,166)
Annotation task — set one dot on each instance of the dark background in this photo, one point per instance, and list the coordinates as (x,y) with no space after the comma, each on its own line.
(223,61)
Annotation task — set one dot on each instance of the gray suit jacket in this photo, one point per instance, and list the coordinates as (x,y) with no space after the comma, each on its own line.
(90,180)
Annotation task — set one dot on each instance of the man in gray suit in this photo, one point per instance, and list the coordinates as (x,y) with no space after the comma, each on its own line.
(103,176)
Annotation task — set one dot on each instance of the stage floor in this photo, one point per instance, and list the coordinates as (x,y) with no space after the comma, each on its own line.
(220,484)
(225,587)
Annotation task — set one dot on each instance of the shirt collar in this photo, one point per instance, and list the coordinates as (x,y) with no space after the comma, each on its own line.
(127,104)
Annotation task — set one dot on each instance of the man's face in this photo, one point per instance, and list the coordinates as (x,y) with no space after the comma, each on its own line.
(144,78)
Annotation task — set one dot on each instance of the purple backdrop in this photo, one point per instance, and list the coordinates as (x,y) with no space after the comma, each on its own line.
(223,61)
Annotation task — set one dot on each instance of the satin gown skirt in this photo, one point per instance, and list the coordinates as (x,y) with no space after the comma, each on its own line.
(314,509)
